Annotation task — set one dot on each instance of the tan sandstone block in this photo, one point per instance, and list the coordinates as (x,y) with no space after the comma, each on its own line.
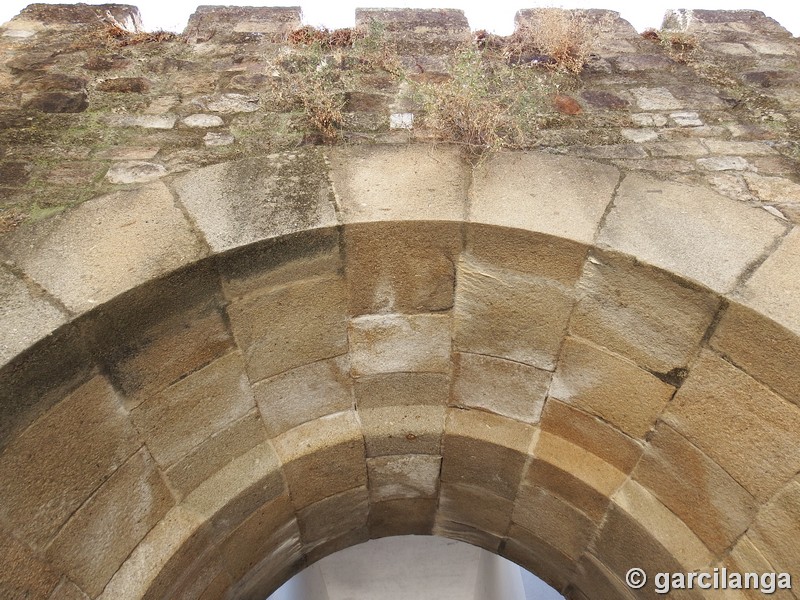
(167,551)
(507,388)
(403,476)
(106,246)
(281,561)
(596,580)
(238,489)
(289,326)
(609,386)
(745,557)
(398,182)
(401,267)
(68,591)
(688,230)
(485,450)
(25,316)
(695,488)
(467,534)
(216,452)
(773,289)
(358,536)
(333,517)
(510,315)
(304,394)
(53,467)
(573,474)
(401,389)
(238,203)
(269,527)
(24,576)
(740,424)
(475,507)
(566,198)
(533,253)
(403,429)
(402,516)
(591,433)
(563,526)
(200,580)
(641,313)
(280,261)
(323,457)
(181,417)
(390,343)
(765,350)
(538,556)
(777,528)
(161,332)
(134,499)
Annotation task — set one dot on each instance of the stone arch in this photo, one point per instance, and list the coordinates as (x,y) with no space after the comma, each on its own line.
(259,363)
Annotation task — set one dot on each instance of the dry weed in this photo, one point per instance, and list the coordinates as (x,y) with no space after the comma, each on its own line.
(553,37)
(680,46)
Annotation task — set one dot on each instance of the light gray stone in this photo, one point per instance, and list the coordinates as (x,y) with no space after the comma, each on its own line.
(639,135)
(218,139)
(687,230)
(228,103)
(724,163)
(658,98)
(135,172)
(146,121)
(201,120)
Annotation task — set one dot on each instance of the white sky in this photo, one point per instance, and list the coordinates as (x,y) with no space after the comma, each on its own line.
(493,15)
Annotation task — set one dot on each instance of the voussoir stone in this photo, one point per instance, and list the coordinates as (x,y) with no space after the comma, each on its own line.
(687,230)
(241,202)
(383,183)
(106,246)
(403,476)
(557,195)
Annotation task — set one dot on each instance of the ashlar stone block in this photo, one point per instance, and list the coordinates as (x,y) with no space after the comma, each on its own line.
(403,476)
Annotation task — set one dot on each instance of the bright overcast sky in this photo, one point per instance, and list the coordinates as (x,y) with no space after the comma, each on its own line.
(494,15)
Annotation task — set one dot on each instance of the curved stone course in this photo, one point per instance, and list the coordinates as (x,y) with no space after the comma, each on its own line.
(213,380)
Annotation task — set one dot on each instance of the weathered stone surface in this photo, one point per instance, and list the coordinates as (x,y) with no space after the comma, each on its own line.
(134,499)
(215,452)
(68,591)
(402,516)
(604,99)
(563,526)
(500,386)
(24,575)
(609,386)
(410,429)
(213,139)
(238,489)
(289,326)
(137,85)
(591,433)
(738,423)
(199,120)
(144,121)
(333,517)
(745,557)
(695,488)
(475,507)
(680,148)
(655,99)
(240,202)
(228,103)
(401,389)
(323,457)
(304,394)
(25,316)
(181,417)
(135,172)
(641,313)
(694,233)
(465,533)
(723,163)
(510,315)
(640,531)
(761,347)
(572,473)
(502,445)
(776,528)
(52,468)
(401,267)
(171,327)
(384,183)
(504,192)
(594,578)
(773,289)
(532,552)
(526,252)
(90,254)
(208,21)
(403,476)
(58,102)
(406,343)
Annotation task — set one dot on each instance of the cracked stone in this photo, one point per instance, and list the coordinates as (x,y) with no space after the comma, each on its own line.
(686,119)
(145,121)
(655,99)
(649,120)
(723,163)
(218,139)
(229,103)
(639,135)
